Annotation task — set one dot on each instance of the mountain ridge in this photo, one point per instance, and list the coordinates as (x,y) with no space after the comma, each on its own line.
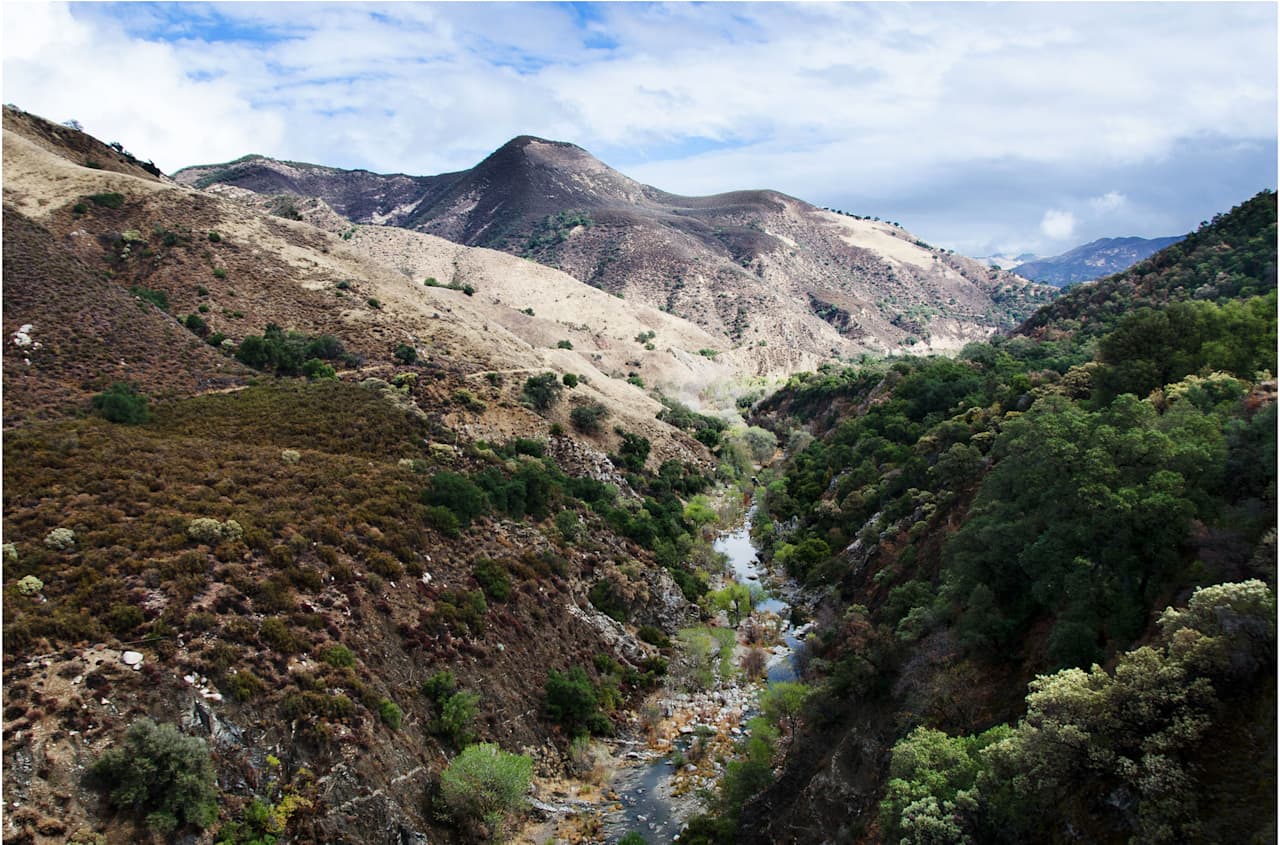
(1093,260)
(757,268)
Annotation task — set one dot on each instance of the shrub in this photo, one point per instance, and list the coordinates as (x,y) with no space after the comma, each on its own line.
(108,200)
(564,344)
(653,636)
(290,456)
(30,585)
(456,713)
(390,714)
(586,418)
(484,784)
(542,391)
(275,633)
(406,354)
(214,237)
(161,775)
(374,303)
(196,324)
(60,539)
(245,686)
(605,598)
(443,520)
(121,404)
(202,529)
(568,524)
(572,704)
(158,298)
(493,579)
(570,380)
(314,368)
(633,452)
(339,656)
(458,494)
(219,273)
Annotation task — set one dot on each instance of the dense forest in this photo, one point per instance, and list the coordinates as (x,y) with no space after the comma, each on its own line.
(1044,571)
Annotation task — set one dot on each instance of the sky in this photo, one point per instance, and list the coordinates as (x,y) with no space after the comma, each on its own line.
(989,129)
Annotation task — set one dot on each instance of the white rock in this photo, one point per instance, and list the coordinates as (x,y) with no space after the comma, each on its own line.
(131,658)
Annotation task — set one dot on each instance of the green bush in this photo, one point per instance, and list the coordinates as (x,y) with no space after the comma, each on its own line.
(572,703)
(162,776)
(605,598)
(569,526)
(158,298)
(455,715)
(586,418)
(542,391)
(108,200)
(30,585)
(314,368)
(493,579)
(339,656)
(390,714)
(570,380)
(196,324)
(564,344)
(120,403)
(290,353)
(653,636)
(406,354)
(60,539)
(458,494)
(443,520)
(202,529)
(484,784)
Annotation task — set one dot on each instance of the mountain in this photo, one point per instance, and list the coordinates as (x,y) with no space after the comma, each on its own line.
(1034,560)
(1092,260)
(783,284)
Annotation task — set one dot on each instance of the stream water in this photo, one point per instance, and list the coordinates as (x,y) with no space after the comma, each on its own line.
(645,790)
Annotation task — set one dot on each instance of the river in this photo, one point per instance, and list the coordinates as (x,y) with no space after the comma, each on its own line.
(646,803)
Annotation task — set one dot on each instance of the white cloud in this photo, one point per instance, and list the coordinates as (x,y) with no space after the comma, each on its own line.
(124,89)
(1057,224)
(817,100)
(1109,202)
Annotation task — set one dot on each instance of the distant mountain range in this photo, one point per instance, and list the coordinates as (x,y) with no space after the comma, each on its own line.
(782,283)
(1092,260)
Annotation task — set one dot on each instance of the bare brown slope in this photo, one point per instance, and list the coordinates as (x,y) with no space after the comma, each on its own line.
(86,332)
